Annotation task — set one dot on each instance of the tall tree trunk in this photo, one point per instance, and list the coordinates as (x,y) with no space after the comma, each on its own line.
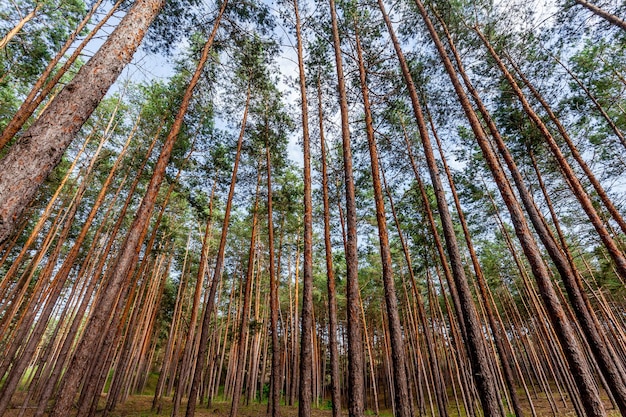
(611,367)
(245,309)
(356,380)
(39,150)
(439,387)
(217,273)
(274,301)
(403,406)
(330,273)
(576,359)
(474,337)
(306,348)
(498,331)
(130,247)
(189,352)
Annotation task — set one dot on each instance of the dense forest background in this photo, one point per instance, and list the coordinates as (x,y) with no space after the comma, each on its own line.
(356,207)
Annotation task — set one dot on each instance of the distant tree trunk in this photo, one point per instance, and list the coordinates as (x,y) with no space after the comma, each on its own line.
(439,386)
(173,333)
(356,401)
(403,406)
(240,358)
(189,352)
(274,300)
(612,19)
(478,354)
(39,150)
(217,273)
(330,273)
(130,248)
(306,348)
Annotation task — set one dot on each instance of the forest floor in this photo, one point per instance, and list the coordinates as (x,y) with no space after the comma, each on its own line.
(140,405)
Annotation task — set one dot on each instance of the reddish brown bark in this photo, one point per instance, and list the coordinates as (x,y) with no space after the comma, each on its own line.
(44,84)
(330,273)
(355,343)
(612,19)
(240,358)
(306,349)
(130,248)
(39,150)
(576,359)
(474,337)
(403,406)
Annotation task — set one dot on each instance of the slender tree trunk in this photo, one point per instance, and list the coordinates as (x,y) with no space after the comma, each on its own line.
(306,348)
(131,246)
(576,359)
(607,118)
(330,273)
(611,368)
(606,200)
(439,387)
(612,19)
(189,352)
(217,273)
(474,337)
(403,406)
(618,257)
(355,381)
(274,301)
(16,29)
(39,150)
(245,309)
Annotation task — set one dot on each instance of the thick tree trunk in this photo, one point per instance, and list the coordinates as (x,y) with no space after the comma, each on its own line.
(44,84)
(39,150)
